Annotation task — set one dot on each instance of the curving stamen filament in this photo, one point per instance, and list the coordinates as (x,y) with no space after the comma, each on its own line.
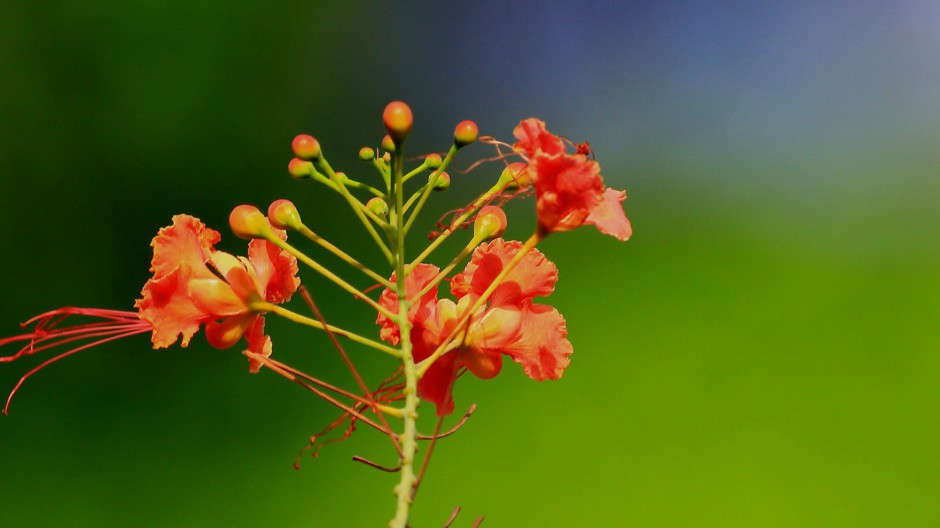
(47,335)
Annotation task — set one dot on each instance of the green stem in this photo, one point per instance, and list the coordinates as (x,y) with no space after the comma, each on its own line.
(319,268)
(474,242)
(409,444)
(362,212)
(482,199)
(431,183)
(297,318)
(305,231)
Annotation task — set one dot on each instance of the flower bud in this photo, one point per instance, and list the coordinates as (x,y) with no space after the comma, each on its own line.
(515,175)
(442,183)
(433,161)
(465,133)
(306,147)
(398,120)
(299,169)
(387,144)
(283,215)
(366,154)
(378,206)
(247,221)
(490,222)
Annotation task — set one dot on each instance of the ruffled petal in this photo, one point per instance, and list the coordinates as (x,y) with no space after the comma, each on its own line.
(532,276)
(167,306)
(567,189)
(542,348)
(533,138)
(609,217)
(276,269)
(187,242)
(420,276)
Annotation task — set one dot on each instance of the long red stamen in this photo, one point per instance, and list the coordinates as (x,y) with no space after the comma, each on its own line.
(47,334)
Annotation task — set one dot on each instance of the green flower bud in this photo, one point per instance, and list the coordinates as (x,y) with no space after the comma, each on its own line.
(443,181)
(378,206)
(283,215)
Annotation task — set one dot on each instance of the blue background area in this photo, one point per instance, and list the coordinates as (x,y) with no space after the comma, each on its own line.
(763,352)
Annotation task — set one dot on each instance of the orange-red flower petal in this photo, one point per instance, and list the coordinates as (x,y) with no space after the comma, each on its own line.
(542,347)
(532,276)
(276,269)
(608,215)
(533,138)
(420,276)
(567,189)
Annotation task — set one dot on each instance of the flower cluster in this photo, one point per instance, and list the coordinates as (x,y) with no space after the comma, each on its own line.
(491,312)
(534,335)
(195,284)
(569,188)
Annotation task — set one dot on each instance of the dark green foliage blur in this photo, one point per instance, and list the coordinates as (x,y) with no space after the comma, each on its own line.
(763,352)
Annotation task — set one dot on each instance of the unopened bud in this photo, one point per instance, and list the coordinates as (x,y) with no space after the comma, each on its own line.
(398,120)
(366,154)
(283,215)
(300,169)
(515,175)
(465,133)
(387,144)
(490,222)
(433,161)
(377,206)
(306,147)
(442,183)
(247,221)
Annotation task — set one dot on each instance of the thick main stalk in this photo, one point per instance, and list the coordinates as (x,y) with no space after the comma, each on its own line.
(409,444)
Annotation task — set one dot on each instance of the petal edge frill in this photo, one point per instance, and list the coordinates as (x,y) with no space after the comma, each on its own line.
(276,269)
(533,276)
(167,306)
(542,348)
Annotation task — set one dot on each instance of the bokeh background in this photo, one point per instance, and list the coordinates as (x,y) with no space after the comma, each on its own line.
(763,352)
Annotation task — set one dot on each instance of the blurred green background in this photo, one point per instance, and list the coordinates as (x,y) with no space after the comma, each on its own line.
(763,352)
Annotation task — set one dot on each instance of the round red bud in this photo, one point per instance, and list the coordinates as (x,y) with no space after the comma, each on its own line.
(398,120)
(247,221)
(465,133)
(433,161)
(306,147)
(283,215)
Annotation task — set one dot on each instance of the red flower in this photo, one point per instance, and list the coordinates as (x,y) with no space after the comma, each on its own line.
(193,284)
(569,188)
(533,335)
